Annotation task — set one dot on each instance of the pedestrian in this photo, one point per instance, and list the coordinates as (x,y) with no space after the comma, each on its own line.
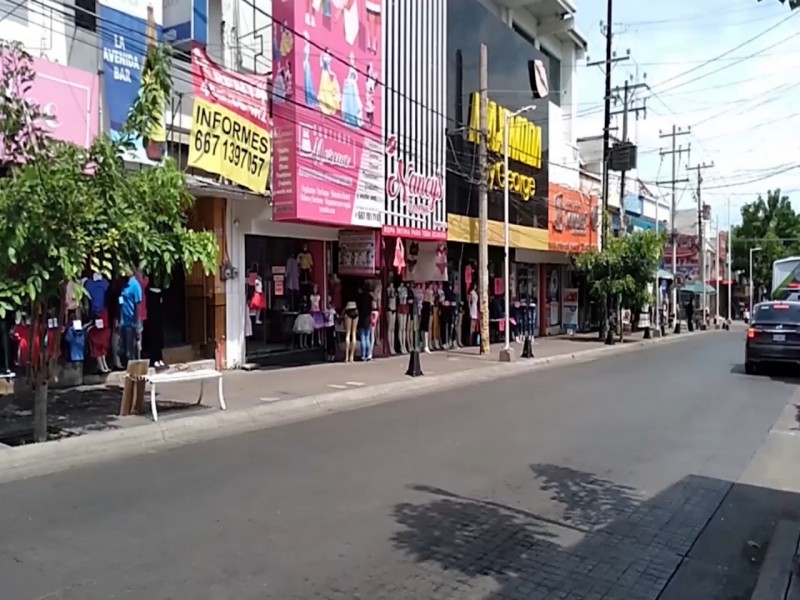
(130,321)
(690,314)
(364,323)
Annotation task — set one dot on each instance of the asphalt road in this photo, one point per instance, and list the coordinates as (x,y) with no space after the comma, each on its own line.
(586,482)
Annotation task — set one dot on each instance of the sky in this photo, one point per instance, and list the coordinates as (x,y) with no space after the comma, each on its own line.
(742,107)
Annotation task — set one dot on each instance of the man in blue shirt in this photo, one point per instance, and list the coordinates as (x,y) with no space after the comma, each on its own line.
(130,322)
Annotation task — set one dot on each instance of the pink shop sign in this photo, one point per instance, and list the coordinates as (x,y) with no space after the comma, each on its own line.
(70,100)
(328,159)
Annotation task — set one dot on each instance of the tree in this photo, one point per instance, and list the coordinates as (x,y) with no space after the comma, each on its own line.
(623,273)
(64,209)
(770,224)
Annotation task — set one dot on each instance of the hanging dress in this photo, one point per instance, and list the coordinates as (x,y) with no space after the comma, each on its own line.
(311,93)
(330,95)
(352,109)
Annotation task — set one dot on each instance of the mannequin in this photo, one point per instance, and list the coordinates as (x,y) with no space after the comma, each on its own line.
(75,337)
(258,302)
(391,316)
(446,309)
(99,331)
(304,326)
(377,298)
(330,331)
(154,328)
(315,300)
(436,323)
(350,326)
(292,282)
(425,316)
(414,306)
(474,328)
(403,310)
(306,263)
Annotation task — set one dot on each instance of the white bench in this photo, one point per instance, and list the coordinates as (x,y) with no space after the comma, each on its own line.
(201,375)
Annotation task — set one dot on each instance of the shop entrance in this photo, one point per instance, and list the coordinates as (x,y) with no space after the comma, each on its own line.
(283,281)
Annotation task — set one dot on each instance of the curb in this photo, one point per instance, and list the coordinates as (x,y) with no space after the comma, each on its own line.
(51,457)
(776,577)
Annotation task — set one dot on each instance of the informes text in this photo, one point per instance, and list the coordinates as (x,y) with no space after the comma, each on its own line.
(226,144)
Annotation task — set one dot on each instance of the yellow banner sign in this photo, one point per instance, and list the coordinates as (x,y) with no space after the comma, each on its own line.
(524,136)
(224,143)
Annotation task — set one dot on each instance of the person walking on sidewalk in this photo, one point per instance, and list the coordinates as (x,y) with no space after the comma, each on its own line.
(365,324)
(130,321)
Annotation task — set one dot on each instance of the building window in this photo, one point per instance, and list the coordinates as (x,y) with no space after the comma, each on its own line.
(555,78)
(525,35)
(14,11)
(85,14)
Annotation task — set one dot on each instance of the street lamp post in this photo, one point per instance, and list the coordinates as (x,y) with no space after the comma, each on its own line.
(752,250)
(507,354)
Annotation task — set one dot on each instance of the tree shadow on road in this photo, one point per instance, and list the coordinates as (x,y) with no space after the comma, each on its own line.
(607,544)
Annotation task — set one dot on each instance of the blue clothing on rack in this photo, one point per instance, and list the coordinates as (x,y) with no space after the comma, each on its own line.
(76,340)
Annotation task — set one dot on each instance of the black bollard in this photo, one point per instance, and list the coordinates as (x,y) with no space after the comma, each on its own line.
(414,366)
(527,348)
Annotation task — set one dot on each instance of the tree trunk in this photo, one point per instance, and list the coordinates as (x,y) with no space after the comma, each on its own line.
(39,373)
(40,406)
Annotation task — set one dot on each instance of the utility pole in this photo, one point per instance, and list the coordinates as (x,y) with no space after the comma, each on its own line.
(675,153)
(627,99)
(607,119)
(483,203)
(728,258)
(701,234)
(605,225)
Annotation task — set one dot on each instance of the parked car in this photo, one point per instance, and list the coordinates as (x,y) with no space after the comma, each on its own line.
(773,336)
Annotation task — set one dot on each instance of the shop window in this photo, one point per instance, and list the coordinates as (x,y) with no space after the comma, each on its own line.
(280,277)
(554,77)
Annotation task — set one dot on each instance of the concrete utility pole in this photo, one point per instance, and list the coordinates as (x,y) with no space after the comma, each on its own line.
(605,226)
(627,99)
(483,203)
(701,235)
(675,153)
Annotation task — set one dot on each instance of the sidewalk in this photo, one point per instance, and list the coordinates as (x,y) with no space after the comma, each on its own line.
(88,409)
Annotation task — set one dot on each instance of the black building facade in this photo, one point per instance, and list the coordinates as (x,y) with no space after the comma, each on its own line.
(511,59)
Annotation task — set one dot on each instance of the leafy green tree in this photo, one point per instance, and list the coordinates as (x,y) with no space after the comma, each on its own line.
(625,270)
(770,224)
(64,209)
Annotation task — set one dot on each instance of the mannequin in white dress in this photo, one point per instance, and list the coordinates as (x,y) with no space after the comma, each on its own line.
(391,316)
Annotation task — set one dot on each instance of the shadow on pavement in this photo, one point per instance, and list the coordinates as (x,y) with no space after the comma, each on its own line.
(77,411)
(699,539)
(784,373)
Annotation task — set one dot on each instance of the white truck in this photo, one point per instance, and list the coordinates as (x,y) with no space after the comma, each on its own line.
(786,278)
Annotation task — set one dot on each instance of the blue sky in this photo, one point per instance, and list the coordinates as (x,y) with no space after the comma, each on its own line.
(742,108)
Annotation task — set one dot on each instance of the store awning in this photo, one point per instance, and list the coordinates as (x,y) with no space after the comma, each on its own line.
(206,187)
(696,287)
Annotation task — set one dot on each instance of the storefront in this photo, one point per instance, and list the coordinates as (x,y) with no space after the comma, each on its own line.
(572,229)
(284,275)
